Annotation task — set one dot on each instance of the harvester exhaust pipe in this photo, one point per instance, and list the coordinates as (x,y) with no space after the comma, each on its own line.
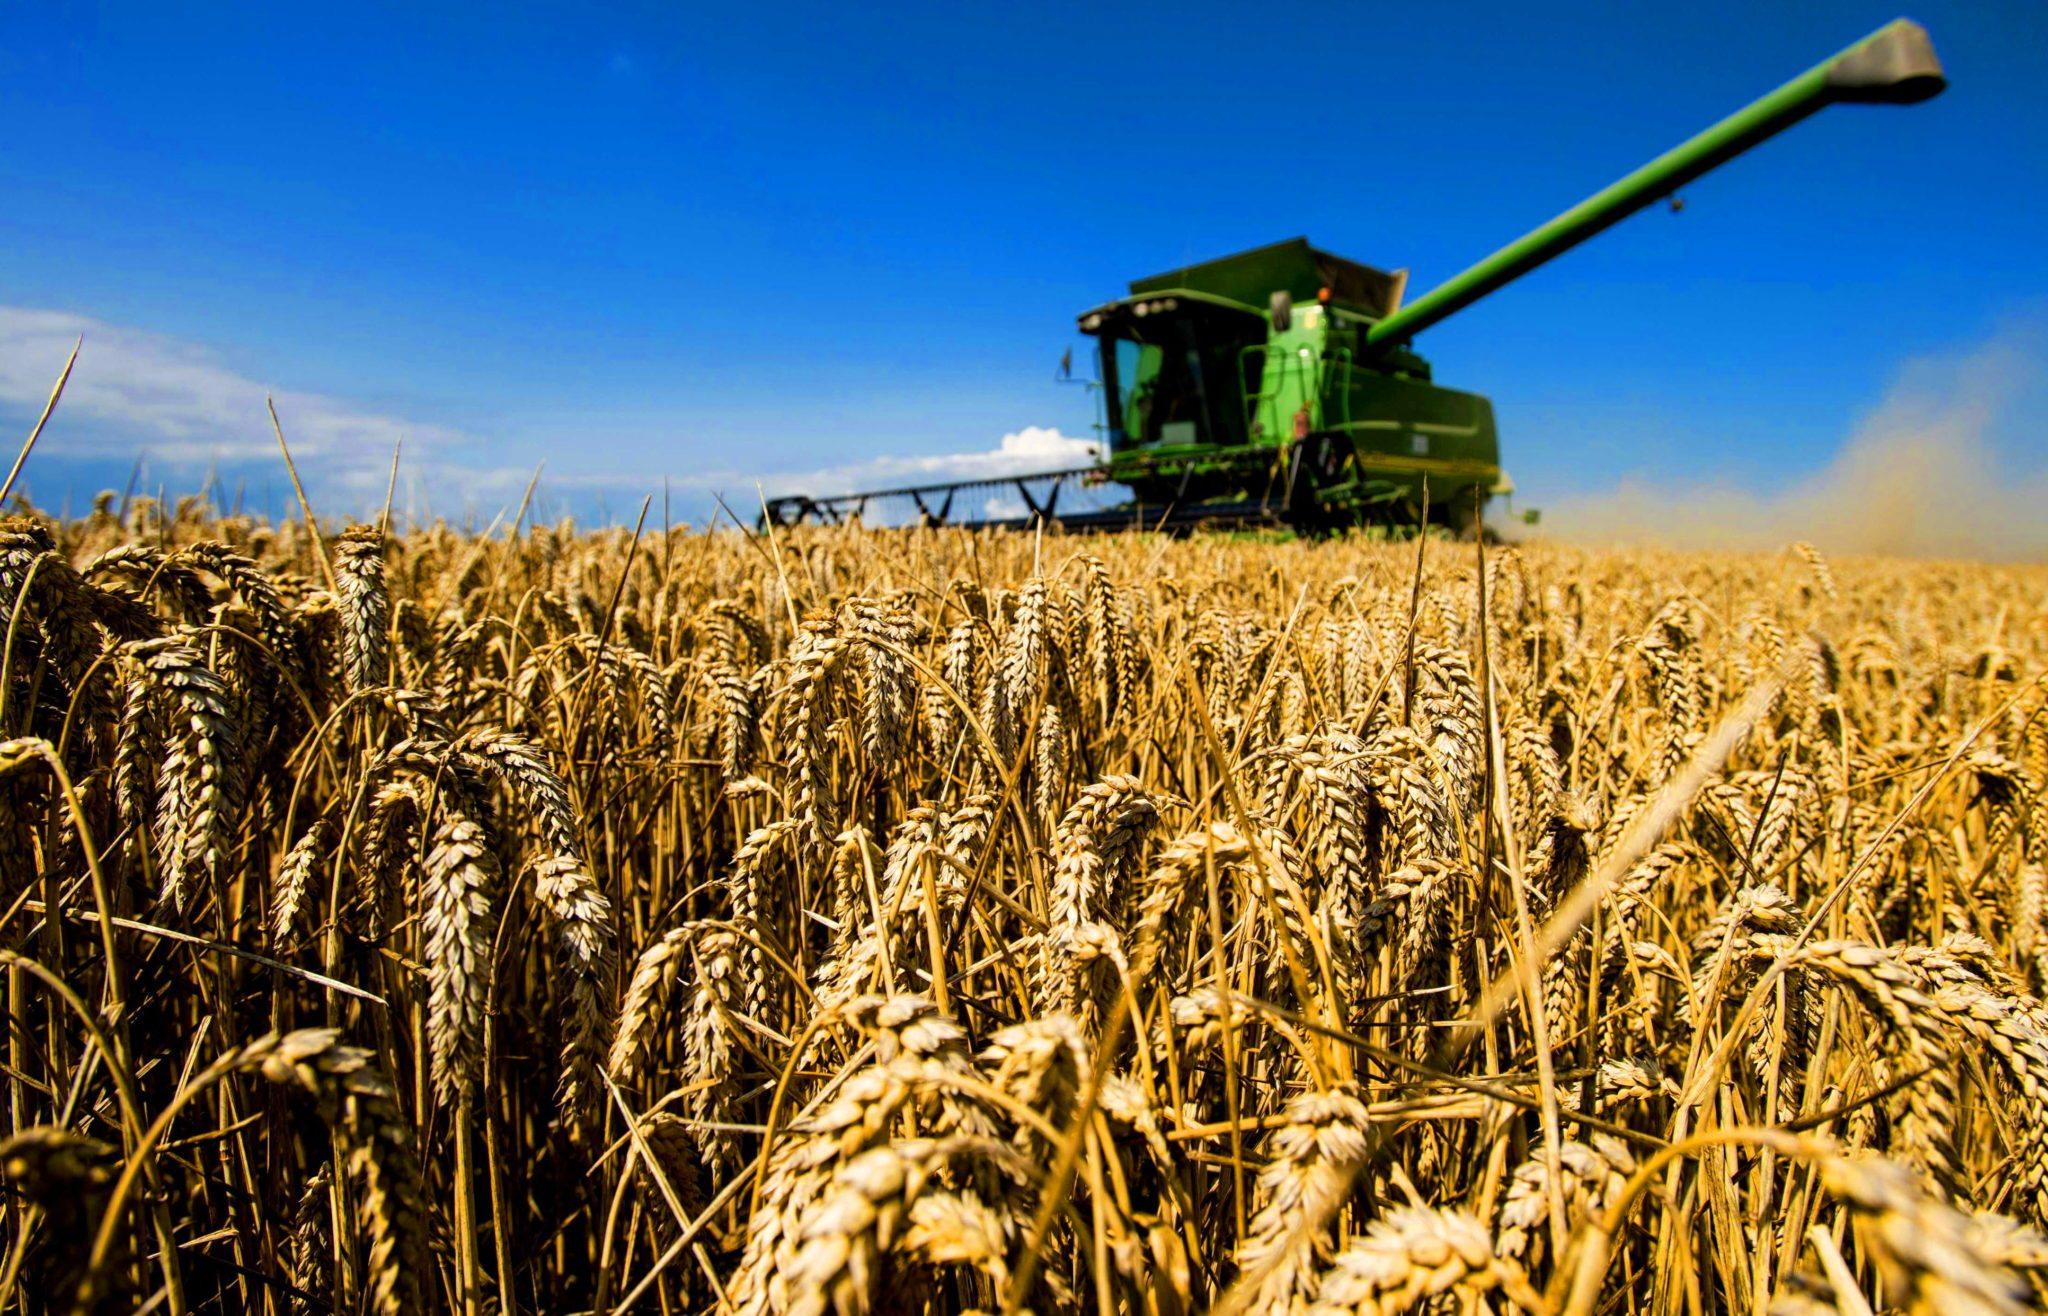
(1894,65)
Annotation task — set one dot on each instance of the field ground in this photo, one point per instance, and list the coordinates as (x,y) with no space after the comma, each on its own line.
(920,921)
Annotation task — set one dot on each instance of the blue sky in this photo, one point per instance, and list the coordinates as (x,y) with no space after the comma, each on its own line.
(775,240)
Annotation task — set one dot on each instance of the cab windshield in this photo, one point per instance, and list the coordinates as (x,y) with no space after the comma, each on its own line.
(1173,378)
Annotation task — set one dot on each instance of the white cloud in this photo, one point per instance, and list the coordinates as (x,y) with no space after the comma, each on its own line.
(187,408)
(179,399)
(1025,451)
(1021,452)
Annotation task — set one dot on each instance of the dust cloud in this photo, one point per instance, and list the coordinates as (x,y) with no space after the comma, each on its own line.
(1952,464)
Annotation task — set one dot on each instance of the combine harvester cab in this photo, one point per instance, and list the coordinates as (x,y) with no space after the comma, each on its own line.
(1245,386)
(1279,386)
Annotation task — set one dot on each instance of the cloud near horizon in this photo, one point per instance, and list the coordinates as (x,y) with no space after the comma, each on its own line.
(180,400)
(1020,452)
(187,408)
(1024,451)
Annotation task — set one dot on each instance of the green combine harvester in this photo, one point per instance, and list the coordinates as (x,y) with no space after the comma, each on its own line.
(1278,386)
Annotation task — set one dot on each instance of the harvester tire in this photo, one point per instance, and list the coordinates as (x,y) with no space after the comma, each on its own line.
(1316,461)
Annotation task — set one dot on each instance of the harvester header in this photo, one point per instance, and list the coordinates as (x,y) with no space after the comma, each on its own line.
(1277,384)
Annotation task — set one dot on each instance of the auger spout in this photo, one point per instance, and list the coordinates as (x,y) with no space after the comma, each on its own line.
(1894,65)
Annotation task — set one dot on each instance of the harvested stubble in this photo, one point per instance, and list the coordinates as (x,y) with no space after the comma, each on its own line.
(925,921)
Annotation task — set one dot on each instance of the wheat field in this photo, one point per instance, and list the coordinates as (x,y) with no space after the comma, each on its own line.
(927,921)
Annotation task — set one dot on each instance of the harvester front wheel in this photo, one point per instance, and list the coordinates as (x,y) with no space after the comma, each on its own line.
(1314,463)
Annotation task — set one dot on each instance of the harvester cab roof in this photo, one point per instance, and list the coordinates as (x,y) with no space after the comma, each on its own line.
(1304,273)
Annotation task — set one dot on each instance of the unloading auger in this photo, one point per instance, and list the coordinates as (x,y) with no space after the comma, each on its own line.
(1278,385)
